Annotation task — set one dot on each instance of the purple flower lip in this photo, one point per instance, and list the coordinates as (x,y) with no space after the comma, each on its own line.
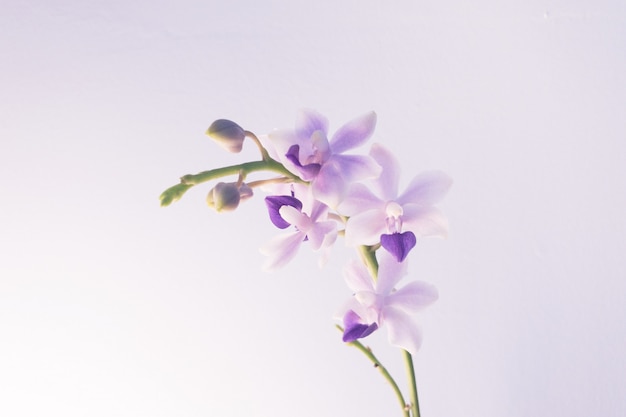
(308,171)
(354,329)
(398,244)
(275,202)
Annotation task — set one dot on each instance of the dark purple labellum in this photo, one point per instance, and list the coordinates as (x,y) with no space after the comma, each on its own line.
(398,244)
(275,202)
(354,329)
(309,171)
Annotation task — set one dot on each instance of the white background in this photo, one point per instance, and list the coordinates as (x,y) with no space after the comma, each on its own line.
(113,306)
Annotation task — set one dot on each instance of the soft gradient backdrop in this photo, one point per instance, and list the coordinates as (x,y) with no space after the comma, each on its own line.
(113,306)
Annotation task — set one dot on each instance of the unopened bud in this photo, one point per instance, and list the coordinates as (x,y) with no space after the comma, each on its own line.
(245,192)
(227,196)
(229,135)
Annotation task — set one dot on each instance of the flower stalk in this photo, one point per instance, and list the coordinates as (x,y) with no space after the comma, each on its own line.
(394,386)
(415,405)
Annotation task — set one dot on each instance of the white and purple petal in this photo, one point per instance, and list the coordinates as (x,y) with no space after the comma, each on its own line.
(322,234)
(329,186)
(281,249)
(387,183)
(365,228)
(425,221)
(356,167)
(309,121)
(293,216)
(357,277)
(390,272)
(354,133)
(359,199)
(402,330)
(413,297)
(426,189)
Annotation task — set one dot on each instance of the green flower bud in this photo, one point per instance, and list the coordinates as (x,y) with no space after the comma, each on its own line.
(226,196)
(229,135)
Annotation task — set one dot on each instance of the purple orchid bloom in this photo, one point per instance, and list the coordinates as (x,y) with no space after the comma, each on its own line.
(391,219)
(307,152)
(287,211)
(378,304)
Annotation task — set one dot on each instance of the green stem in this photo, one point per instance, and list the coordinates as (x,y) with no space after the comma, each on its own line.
(368,352)
(415,405)
(264,155)
(244,169)
(368,255)
(176,192)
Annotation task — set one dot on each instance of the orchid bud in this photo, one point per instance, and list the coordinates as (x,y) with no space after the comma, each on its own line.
(229,135)
(226,196)
(245,192)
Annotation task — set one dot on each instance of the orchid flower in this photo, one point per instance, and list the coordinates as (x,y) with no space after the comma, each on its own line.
(378,304)
(286,211)
(307,152)
(391,219)
(314,187)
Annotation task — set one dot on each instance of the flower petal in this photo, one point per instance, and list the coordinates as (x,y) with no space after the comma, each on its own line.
(281,250)
(402,330)
(309,121)
(359,199)
(390,272)
(398,244)
(365,228)
(425,221)
(387,182)
(293,216)
(356,167)
(353,133)
(329,186)
(282,139)
(275,202)
(318,210)
(426,189)
(413,297)
(320,146)
(319,231)
(306,172)
(354,328)
(357,277)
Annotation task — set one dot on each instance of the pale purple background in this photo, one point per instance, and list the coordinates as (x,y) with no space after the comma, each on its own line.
(112,306)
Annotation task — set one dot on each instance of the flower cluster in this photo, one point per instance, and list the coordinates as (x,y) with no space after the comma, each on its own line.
(322,190)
